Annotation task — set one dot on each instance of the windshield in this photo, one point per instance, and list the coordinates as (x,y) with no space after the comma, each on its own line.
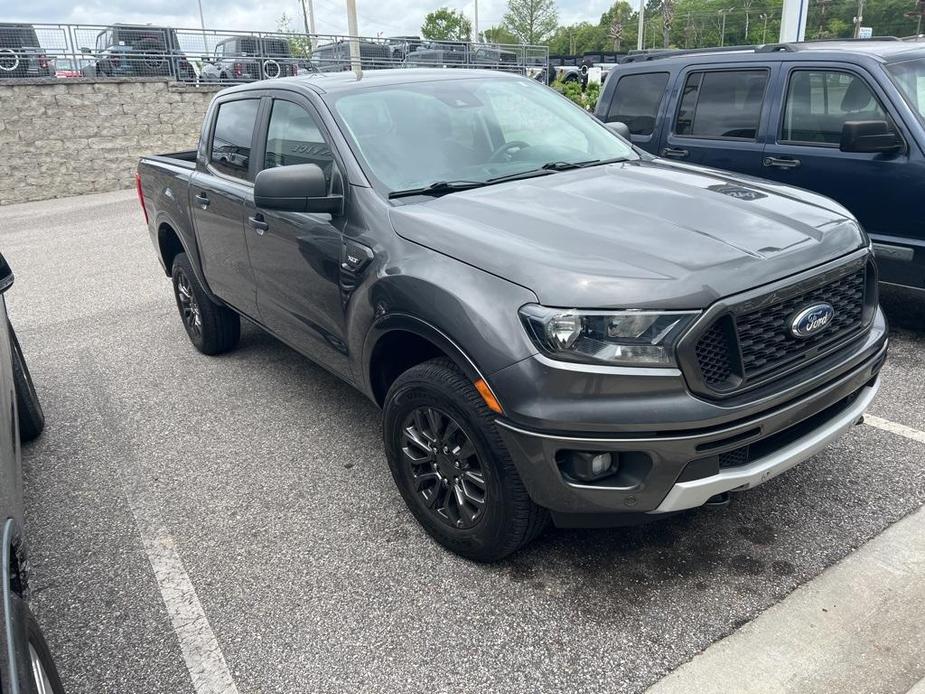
(469,130)
(910,76)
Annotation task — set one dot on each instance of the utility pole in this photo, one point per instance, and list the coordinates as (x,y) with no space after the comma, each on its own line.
(859,19)
(476,23)
(308,16)
(202,24)
(354,44)
(764,32)
(641,38)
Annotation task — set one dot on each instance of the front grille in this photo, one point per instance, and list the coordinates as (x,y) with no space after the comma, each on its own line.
(746,346)
(734,458)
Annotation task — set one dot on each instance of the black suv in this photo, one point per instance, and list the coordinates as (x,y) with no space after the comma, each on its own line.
(335,56)
(250,58)
(845,119)
(125,50)
(20,53)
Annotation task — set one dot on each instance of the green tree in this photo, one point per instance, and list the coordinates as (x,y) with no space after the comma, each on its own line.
(531,21)
(300,44)
(446,25)
(576,39)
(498,34)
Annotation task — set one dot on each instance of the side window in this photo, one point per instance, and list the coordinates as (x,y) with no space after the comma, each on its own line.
(819,102)
(636,99)
(231,139)
(294,138)
(220,50)
(725,104)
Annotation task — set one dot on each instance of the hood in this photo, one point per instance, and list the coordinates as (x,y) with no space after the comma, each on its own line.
(634,234)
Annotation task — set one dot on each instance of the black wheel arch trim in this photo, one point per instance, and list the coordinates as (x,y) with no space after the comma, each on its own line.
(12,536)
(402,322)
(164,219)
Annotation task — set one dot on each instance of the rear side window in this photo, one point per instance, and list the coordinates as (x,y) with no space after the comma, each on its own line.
(294,138)
(636,99)
(231,138)
(819,102)
(724,104)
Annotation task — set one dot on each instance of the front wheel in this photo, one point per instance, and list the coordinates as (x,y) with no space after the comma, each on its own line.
(28,408)
(39,676)
(451,466)
(212,328)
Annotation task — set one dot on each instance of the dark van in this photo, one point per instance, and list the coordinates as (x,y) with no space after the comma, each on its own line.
(842,118)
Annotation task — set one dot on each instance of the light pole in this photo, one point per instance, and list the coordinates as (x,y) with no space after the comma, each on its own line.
(641,39)
(354,43)
(764,33)
(202,24)
(476,22)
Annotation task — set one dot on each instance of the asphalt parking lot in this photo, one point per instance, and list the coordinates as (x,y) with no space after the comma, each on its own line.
(266,476)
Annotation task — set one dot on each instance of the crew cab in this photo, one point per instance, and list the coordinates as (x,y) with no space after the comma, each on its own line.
(845,119)
(554,324)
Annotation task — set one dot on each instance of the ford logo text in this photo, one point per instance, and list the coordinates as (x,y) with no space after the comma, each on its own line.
(810,320)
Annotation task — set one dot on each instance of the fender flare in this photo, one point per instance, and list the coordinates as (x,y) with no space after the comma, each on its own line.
(11,536)
(164,218)
(403,322)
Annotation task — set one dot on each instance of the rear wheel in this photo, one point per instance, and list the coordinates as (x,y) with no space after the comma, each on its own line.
(451,466)
(212,328)
(28,408)
(40,675)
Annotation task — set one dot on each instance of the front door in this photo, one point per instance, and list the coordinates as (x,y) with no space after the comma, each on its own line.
(218,199)
(296,256)
(718,118)
(881,189)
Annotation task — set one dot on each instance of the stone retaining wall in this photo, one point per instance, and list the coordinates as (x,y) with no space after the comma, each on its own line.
(68,137)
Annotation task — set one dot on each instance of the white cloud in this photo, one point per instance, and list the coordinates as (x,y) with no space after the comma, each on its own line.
(390,17)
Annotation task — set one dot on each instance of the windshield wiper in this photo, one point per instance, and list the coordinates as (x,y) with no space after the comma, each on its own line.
(554,166)
(437,188)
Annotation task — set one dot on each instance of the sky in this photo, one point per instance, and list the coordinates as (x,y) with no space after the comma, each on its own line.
(391,17)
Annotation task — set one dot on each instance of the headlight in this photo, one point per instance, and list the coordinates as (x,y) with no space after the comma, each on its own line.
(627,338)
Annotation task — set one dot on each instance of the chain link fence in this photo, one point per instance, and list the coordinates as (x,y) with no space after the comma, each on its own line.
(216,56)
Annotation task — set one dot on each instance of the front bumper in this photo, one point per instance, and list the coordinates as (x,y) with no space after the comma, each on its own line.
(670,468)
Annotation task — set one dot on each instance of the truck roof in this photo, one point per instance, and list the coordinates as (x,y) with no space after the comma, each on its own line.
(331,82)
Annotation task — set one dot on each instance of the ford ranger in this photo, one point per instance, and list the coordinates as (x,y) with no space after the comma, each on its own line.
(556,325)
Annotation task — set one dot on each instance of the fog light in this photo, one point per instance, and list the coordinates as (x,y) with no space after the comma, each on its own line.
(586,466)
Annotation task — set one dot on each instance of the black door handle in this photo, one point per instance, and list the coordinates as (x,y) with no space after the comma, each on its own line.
(203,200)
(780,163)
(258,224)
(673,153)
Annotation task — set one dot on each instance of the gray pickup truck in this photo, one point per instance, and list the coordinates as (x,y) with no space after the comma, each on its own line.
(555,324)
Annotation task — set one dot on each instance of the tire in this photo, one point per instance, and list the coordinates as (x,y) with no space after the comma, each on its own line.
(28,408)
(506,519)
(212,328)
(38,660)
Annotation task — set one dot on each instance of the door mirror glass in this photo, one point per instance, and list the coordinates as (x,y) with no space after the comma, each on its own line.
(297,188)
(620,128)
(869,136)
(6,275)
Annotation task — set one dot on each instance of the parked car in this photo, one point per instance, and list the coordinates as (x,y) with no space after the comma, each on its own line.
(21,56)
(128,50)
(335,56)
(842,118)
(26,665)
(251,58)
(400,47)
(553,323)
(69,68)
(439,54)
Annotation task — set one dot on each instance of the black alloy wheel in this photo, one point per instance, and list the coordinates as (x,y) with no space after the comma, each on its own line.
(446,472)
(189,307)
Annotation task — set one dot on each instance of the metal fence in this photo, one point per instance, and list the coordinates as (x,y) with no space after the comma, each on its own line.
(211,55)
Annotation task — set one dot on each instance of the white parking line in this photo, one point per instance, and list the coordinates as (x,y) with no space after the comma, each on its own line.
(201,652)
(893,427)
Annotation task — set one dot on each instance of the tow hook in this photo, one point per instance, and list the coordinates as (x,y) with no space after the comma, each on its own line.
(720,500)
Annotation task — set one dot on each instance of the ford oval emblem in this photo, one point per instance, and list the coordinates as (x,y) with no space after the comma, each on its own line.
(811,320)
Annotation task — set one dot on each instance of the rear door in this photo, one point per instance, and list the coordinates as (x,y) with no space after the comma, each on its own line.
(296,256)
(218,196)
(815,101)
(719,116)
(638,100)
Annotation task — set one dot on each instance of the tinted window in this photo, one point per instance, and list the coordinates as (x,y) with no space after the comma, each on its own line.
(294,138)
(820,101)
(722,104)
(636,100)
(231,141)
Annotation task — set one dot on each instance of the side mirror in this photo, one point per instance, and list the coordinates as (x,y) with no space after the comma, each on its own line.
(6,275)
(299,188)
(869,136)
(85,50)
(619,128)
